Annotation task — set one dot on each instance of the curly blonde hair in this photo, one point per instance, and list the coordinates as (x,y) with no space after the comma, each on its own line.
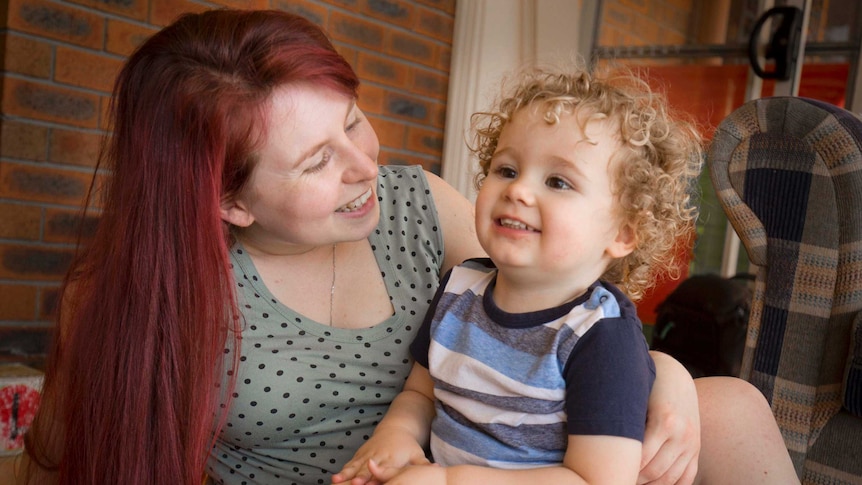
(656,168)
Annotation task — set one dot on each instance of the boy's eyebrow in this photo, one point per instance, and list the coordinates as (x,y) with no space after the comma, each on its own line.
(569,163)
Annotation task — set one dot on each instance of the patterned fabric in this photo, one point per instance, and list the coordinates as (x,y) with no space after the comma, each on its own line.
(308,395)
(788,173)
(511,387)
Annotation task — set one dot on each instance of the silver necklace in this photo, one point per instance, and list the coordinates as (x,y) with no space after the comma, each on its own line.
(332,288)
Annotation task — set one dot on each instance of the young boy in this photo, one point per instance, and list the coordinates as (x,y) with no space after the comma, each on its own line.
(532,364)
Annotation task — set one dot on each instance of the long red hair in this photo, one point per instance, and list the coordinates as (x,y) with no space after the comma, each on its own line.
(149,316)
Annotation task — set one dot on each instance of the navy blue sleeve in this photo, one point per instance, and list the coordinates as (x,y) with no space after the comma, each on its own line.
(422,341)
(609,376)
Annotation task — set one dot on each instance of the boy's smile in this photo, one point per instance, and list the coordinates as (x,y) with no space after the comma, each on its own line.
(546,213)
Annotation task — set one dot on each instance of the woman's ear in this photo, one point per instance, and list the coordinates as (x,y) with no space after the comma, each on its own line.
(624,243)
(235,212)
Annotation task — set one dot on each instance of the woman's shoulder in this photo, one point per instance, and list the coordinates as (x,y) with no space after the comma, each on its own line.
(393,177)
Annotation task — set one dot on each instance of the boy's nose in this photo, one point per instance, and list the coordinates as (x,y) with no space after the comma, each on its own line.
(519,191)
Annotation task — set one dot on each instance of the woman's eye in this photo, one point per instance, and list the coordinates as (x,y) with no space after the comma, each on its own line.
(558,184)
(318,167)
(353,124)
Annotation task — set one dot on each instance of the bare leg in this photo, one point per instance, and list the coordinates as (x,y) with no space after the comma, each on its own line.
(740,441)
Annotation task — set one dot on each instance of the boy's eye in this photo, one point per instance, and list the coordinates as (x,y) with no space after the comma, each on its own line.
(557,183)
(505,172)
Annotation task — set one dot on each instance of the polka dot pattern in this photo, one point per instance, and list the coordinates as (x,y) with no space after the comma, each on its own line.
(307,395)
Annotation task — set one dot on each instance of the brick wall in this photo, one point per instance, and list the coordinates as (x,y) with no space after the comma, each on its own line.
(646,22)
(59,59)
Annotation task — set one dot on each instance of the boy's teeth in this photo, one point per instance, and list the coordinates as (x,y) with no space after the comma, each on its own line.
(515,224)
(352,206)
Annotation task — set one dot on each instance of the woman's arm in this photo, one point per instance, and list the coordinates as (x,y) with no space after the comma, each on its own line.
(456,222)
(672,442)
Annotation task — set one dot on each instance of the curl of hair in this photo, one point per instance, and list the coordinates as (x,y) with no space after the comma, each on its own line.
(655,170)
(148,317)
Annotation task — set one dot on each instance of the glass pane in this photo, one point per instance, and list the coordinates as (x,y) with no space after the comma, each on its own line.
(696,52)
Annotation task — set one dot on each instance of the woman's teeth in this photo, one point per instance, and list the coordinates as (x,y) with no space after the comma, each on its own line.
(356,204)
(512,223)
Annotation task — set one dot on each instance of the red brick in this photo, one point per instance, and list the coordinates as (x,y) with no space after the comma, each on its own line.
(57,21)
(23,140)
(34,263)
(310,10)
(388,157)
(382,69)
(243,4)
(354,30)
(435,24)
(413,48)
(136,9)
(429,83)
(425,141)
(438,115)
(66,226)
(447,6)
(27,56)
(408,107)
(163,12)
(85,69)
(371,99)
(105,113)
(49,297)
(17,302)
(50,103)
(350,54)
(395,12)
(125,37)
(634,6)
(390,133)
(43,184)
(352,5)
(74,147)
(444,60)
(18,221)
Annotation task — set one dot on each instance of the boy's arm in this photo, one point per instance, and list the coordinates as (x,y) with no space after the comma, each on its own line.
(401,437)
(595,460)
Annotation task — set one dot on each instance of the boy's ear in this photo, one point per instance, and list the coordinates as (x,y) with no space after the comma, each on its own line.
(235,212)
(624,243)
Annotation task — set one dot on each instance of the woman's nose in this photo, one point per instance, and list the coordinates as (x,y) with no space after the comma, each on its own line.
(361,164)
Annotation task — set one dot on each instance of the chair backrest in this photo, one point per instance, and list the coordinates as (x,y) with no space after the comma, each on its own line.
(788,173)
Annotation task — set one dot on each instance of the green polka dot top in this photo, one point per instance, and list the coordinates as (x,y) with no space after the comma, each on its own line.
(308,395)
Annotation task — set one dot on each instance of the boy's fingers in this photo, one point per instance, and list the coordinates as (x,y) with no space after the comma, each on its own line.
(379,473)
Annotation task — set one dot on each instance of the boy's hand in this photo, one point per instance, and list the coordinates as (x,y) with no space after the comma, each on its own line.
(389,450)
(420,474)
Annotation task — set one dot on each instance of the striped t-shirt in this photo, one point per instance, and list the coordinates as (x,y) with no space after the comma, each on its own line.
(510,388)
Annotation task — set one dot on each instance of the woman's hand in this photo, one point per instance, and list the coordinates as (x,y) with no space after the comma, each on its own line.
(672,442)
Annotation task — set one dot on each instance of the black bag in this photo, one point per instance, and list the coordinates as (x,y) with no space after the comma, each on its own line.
(703,322)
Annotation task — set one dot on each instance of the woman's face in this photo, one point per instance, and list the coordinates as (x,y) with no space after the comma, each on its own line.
(315,180)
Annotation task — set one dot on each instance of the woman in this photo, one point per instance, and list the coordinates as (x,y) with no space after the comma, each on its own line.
(246,305)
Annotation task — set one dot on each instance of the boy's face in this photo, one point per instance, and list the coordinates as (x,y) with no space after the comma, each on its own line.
(546,211)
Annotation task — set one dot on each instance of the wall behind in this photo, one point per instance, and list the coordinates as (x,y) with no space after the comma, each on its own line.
(59,59)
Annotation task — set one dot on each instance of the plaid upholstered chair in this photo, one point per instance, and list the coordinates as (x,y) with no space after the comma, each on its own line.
(788,173)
